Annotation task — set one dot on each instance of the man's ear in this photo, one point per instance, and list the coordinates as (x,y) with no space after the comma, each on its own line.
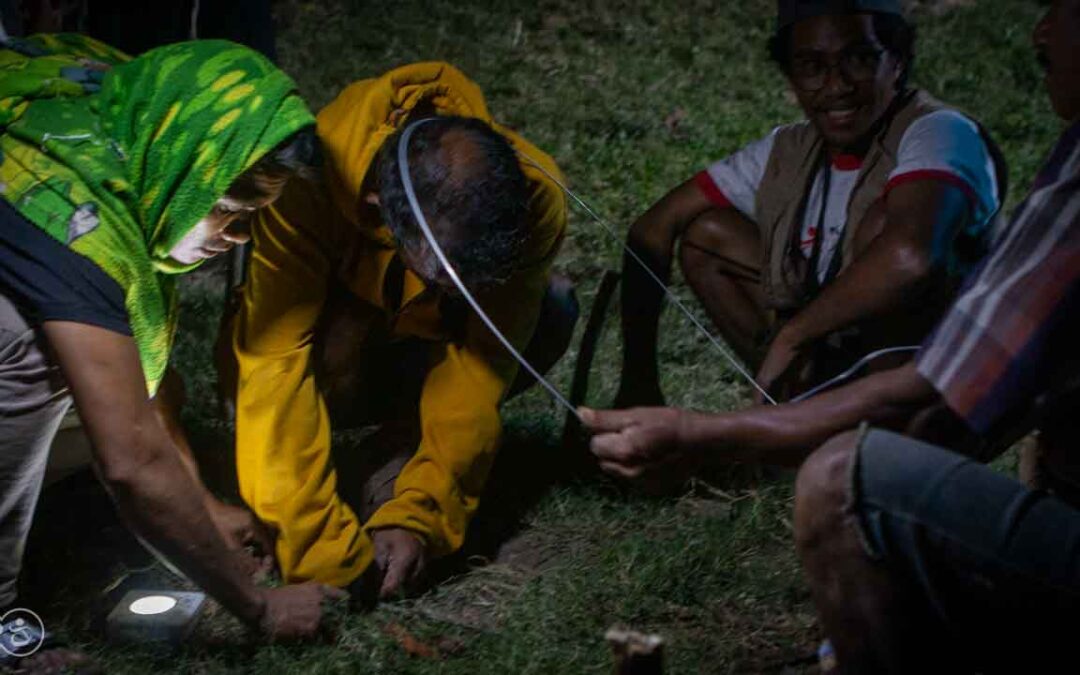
(372,198)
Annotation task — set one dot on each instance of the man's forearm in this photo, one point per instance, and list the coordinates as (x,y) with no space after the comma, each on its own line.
(875,284)
(895,266)
(786,434)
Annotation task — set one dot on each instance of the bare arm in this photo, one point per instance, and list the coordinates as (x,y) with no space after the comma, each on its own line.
(166,404)
(786,434)
(153,490)
(652,237)
(657,445)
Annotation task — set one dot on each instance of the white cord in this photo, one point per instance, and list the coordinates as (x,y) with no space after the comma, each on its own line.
(414,204)
(850,372)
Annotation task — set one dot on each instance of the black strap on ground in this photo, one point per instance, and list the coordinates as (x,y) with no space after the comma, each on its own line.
(579,388)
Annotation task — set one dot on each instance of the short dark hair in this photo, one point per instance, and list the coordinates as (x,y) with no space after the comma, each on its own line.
(477,205)
(298,155)
(896,34)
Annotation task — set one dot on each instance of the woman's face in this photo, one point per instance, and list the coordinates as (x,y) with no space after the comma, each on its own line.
(225,226)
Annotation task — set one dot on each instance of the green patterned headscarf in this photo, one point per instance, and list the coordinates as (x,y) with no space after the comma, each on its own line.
(119,158)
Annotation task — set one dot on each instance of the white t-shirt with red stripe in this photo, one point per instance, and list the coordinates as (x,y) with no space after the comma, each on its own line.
(943,145)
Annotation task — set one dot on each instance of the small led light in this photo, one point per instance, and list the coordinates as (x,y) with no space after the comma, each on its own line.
(152,604)
(154,616)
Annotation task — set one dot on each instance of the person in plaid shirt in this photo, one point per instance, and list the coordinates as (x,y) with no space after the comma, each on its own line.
(921,558)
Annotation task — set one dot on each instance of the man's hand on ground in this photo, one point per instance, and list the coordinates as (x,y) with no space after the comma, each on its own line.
(400,557)
(645,445)
(296,612)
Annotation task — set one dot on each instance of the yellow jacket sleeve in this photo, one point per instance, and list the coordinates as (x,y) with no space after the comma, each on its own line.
(282,428)
(438,491)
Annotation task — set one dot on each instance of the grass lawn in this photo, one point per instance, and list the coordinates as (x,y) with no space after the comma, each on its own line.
(631,97)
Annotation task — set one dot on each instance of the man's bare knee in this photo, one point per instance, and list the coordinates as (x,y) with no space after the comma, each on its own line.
(712,232)
(822,491)
(692,257)
(719,238)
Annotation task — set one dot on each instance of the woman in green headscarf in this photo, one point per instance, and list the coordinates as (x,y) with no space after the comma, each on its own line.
(117,174)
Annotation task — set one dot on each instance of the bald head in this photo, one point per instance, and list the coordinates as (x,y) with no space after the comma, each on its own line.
(472,192)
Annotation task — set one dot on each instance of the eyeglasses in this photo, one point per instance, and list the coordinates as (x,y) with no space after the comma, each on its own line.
(857,65)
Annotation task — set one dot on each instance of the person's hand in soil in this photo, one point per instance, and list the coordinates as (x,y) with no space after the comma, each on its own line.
(401,559)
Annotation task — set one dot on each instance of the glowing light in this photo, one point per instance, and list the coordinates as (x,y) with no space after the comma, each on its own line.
(152,604)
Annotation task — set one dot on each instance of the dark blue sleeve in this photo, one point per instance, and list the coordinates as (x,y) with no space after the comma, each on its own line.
(47,281)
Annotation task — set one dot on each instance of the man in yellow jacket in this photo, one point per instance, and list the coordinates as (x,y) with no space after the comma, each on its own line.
(346,315)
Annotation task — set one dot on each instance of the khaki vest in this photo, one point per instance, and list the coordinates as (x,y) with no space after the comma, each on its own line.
(789,175)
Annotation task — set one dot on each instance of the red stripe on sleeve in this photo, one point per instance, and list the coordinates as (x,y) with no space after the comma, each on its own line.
(709,188)
(933,174)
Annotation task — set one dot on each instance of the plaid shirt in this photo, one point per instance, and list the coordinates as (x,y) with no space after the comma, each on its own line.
(1011,335)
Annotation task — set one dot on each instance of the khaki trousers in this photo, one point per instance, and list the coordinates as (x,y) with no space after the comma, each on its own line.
(33,400)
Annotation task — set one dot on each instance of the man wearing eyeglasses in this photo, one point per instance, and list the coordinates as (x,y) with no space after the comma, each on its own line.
(832,237)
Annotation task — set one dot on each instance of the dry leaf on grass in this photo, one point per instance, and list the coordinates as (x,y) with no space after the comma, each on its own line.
(443,646)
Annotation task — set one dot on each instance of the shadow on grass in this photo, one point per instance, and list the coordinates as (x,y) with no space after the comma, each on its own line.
(528,465)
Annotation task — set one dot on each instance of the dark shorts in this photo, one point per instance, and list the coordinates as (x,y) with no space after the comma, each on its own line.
(993,566)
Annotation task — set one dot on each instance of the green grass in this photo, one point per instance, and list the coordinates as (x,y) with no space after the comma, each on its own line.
(592,83)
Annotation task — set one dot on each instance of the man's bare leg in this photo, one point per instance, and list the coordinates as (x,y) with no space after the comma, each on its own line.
(720,255)
(853,595)
(871,622)
(910,322)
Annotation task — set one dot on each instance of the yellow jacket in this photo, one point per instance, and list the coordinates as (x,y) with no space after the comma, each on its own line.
(310,239)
